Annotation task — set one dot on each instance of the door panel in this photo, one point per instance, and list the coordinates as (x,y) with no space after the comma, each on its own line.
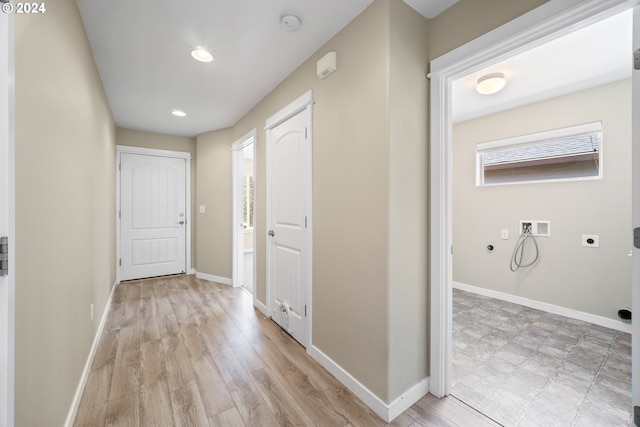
(153,216)
(289,151)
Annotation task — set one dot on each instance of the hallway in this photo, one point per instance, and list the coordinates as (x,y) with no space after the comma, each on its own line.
(182,351)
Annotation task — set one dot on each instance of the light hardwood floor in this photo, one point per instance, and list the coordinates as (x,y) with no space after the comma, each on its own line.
(186,352)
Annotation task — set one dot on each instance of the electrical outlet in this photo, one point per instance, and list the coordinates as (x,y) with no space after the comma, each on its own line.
(590,240)
(203,208)
(91,312)
(505,234)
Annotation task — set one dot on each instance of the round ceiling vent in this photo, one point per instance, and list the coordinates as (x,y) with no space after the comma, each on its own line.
(290,22)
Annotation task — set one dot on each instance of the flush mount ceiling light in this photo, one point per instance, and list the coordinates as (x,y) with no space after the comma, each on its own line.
(290,22)
(178,113)
(201,54)
(491,83)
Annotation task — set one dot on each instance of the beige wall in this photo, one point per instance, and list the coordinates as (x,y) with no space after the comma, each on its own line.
(65,209)
(352,218)
(470,19)
(408,190)
(596,281)
(214,247)
(158,141)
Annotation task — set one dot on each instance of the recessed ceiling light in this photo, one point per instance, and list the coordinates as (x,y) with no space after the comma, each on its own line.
(290,22)
(178,113)
(491,83)
(201,54)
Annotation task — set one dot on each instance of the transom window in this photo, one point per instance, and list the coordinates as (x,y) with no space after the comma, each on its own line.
(570,153)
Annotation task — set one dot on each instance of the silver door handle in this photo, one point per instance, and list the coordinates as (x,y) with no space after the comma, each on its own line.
(181,222)
(271,233)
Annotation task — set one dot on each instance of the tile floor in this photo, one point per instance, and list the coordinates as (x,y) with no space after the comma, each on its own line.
(525,367)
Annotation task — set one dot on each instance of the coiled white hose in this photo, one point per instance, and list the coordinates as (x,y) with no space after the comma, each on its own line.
(518,252)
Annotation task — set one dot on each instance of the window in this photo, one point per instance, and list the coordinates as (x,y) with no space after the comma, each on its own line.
(247,202)
(563,154)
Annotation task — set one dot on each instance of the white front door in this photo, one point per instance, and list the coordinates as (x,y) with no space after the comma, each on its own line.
(288,223)
(153,216)
(7,278)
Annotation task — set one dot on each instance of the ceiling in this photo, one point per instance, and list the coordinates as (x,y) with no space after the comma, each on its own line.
(142,50)
(592,56)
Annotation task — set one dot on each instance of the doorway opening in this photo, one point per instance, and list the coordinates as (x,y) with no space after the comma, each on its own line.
(244,212)
(548,22)
(545,342)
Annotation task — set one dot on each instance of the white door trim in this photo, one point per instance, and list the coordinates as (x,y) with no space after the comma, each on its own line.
(7,203)
(123,149)
(635,185)
(236,149)
(549,21)
(304,102)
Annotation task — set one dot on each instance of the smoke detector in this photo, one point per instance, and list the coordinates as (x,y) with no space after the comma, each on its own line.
(290,22)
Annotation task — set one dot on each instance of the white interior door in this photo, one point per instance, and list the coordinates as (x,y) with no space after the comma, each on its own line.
(635,381)
(153,216)
(288,245)
(7,278)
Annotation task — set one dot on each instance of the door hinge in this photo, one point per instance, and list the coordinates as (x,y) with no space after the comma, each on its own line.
(305,133)
(305,310)
(451,249)
(636,59)
(4,256)
(119,166)
(636,415)
(120,262)
(636,237)
(119,214)
(305,222)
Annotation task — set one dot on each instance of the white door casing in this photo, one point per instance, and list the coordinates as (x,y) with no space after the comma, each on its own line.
(154,216)
(237,149)
(635,185)
(7,222)
(289,218)
(551,20)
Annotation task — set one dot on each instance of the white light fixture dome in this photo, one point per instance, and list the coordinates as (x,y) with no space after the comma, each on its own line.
(290,22)
(201,54)
(491,83)
(178,113)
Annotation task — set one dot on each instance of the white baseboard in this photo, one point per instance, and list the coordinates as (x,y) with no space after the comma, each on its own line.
(212,278)
(386,411)
(260,306)
(71,416)
(550,308)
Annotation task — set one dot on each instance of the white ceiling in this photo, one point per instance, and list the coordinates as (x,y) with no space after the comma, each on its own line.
(589,57)
(142,50)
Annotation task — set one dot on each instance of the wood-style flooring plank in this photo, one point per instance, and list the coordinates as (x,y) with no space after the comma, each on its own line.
(214,391)
(123,412)
(183,351)
(228,418)
(126,369)
(155,398)
(282,404)
(187,406)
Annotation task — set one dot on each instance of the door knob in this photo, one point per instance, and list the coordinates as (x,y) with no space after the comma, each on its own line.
(271,233)
(181,223)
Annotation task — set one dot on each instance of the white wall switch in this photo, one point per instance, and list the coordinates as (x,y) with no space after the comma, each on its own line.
(202,208)
(504,234)
(590,240)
